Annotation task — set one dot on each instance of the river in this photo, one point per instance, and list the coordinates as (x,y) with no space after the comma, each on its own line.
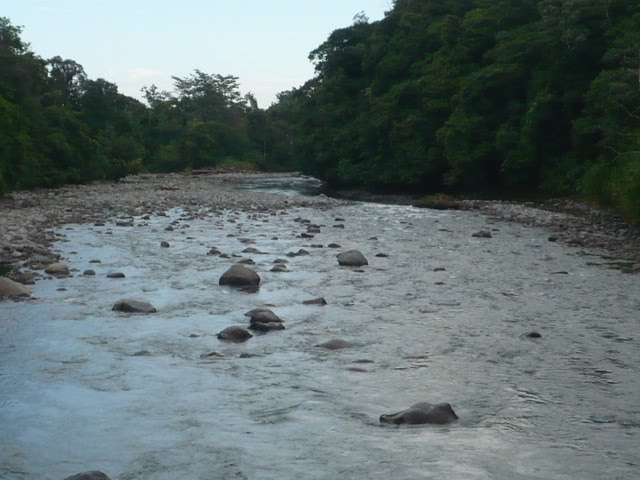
(84,388)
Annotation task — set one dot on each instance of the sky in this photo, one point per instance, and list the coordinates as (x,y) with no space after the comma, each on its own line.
(133,43)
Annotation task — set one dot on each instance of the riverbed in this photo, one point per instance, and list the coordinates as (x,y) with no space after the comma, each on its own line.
(443,317)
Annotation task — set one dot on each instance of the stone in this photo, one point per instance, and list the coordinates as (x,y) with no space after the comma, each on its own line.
(253,311)
(265,316)
(335,345)
(11,289)
(57,268)
(315,301)
(239,275)
(266,327)
(533,335)
(25,278)
(93,475)
(553,238)
(280,267)
(421,413)
(482,234)
(133,306)
(164,244)
(115,275)
(334,245)
(234,334)
(89,273)
(352,258)
(382,255)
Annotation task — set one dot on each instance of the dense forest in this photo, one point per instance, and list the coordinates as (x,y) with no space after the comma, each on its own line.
(464,96)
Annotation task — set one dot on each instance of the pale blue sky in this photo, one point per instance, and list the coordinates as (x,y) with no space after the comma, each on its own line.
(139,42)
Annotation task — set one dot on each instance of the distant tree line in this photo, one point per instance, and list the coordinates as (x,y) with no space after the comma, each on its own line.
(463,96)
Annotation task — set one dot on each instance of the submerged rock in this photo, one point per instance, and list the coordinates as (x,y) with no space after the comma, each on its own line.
(93,475)
(239,275)
(482,234)
(335,345)
(315,301)
(133,306)
(352,258)
(421,413)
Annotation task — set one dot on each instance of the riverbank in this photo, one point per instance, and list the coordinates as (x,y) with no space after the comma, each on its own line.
(27,217)
(602,231)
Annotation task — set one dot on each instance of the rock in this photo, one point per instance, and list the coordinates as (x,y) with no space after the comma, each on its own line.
(266,327)
(335,345)
(239,275)
(214,251)
(115,275)
(352,258)
(234,334)
(421,413)
(212,355)
(338,225)
(533,335)
(95,260)
(334,245)
(306,235)
(253,311)
(251,250)
(280,260)
(133,306)
(11,289)
(89,273)
(561,272)
(246,261)
(439,269)
(57,268)
(553,238)
(315,301)
(265,316)
(279,268)
(382,255)
(93,475)
(482,234)
(25,278)
(164,244)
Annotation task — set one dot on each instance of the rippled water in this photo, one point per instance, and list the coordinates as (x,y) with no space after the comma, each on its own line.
(82,387)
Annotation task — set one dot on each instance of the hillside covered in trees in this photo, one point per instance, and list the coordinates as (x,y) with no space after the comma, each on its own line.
(464,96)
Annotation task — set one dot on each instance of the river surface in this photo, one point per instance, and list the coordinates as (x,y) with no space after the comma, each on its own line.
(84,388)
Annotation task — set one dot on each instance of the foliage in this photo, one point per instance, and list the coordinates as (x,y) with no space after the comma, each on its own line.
(474,96)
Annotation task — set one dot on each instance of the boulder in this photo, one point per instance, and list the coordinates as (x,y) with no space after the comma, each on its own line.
(89,273)
(115,275)
(253,311)
(265,316)
(133,306)
(9,288)
(280,267)
(352,258)
(234,334)
(239,275)
(482,234)
(93,475)
(164,244)
(421,413)
(57,268)
(266,327)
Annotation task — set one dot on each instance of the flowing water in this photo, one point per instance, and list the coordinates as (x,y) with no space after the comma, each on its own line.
(83,387)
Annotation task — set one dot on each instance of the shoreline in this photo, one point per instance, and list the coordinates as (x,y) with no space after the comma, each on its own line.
(27,217)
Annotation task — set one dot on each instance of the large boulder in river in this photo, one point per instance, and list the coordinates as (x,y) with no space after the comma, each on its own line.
(352,258)
(94,475)
(133,306)
(234,334)
(239,275)
(9,288)
(265,316)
